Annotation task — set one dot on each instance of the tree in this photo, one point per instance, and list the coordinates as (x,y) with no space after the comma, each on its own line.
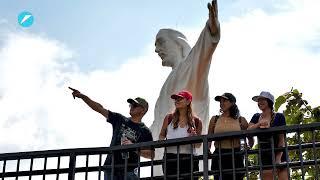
(298,111)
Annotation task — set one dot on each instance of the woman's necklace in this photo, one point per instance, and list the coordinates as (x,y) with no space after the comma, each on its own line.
(182,123)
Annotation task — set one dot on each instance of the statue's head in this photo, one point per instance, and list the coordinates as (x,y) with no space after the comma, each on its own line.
(171,46)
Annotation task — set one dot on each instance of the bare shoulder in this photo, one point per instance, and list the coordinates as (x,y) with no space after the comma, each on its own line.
(167,118)
(197,119)
(214,119)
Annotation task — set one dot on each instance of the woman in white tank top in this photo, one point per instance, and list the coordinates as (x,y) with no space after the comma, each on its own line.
(182,123)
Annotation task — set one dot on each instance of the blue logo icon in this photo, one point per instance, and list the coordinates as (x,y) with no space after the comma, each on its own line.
(25,19)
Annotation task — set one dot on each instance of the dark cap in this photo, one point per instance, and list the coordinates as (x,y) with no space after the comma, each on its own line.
(182,94)
(142,102)
(227,96)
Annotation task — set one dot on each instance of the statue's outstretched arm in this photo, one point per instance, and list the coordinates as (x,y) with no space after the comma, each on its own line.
(199,59)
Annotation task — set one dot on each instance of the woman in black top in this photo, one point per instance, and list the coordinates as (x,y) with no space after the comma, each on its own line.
(268,119)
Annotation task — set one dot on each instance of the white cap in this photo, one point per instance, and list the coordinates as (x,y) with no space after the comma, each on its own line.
(264,94)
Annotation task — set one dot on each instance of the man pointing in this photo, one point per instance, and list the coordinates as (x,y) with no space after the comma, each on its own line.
(126,130)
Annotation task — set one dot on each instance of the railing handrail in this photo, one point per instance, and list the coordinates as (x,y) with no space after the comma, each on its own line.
(156,144)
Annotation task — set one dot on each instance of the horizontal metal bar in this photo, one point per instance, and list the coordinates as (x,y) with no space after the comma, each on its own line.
(157,144)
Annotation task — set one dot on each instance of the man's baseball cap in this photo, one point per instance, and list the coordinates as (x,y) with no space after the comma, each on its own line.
(227,96)
(140,101)
(264,94)
(182,94)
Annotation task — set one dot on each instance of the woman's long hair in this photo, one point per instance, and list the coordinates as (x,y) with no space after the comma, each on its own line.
(273,114)
(234,111)
(176,114)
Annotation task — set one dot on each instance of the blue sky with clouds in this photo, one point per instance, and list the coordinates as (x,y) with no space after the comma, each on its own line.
(97,46)
(103,34)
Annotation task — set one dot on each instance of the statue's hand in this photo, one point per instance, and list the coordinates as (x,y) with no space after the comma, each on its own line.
(213,17)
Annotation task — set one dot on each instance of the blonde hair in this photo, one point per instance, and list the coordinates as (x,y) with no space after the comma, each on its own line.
(190,115)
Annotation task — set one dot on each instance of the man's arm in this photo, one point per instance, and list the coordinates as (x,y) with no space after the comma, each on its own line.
(92,104)
(146,153)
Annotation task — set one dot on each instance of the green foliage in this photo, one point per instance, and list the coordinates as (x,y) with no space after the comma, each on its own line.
(279,101)
(298,111)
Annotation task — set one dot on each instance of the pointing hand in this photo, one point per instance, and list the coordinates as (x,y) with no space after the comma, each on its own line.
(75,93)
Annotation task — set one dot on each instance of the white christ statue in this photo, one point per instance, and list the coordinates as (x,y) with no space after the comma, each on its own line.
(190,69)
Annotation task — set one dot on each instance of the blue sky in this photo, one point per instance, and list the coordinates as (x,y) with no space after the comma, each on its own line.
(106,33)
(106,49)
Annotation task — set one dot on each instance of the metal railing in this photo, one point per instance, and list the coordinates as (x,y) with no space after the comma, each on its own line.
(87,163)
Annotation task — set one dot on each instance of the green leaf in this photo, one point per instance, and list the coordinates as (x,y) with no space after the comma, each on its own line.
(316,114)
(295,92)
(289,120)
(279,101)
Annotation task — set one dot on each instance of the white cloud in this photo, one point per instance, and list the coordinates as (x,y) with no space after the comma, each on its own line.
(270,52)
(37,109)
(29,64)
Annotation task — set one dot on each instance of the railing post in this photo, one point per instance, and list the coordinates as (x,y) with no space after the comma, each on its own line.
(314,154)
(300,155)
(205,158)
(4,169)
(72,166)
